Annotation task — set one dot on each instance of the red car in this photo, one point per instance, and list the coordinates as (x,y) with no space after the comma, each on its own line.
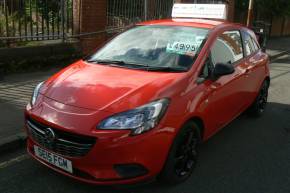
(139,107)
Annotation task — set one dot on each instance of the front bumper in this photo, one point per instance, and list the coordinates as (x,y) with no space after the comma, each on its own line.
(80,174)
(121,159)
(112,149)
(99,166)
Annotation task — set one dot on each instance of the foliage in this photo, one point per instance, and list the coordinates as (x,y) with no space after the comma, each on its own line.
(274,8)
(3,29)
(25,16)
(242,5)
(266,8)
(50,6)
(6,27)
(2,26)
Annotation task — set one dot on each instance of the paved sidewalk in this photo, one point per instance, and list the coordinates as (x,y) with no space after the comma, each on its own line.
(279,44)
(15,93)
(16,90)
(277,47)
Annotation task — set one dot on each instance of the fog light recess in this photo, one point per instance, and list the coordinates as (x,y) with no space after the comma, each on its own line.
(130,170)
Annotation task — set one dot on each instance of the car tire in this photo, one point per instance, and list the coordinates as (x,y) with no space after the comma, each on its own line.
(183,155)
(260,103)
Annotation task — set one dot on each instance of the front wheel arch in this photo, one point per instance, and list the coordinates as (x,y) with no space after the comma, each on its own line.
(200,123)
(167,167)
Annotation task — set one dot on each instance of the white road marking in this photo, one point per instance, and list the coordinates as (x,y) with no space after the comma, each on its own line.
(13,161)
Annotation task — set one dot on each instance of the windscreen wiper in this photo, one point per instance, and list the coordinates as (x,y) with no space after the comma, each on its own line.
(119,63)
(166,69)
(138,66)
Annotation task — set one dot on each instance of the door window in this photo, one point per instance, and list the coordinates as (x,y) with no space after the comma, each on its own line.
(227,48)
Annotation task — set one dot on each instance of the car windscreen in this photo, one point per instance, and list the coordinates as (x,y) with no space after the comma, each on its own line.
(159,47)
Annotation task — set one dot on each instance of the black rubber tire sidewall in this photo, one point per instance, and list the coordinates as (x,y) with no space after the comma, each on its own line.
(168,174)
(254,110)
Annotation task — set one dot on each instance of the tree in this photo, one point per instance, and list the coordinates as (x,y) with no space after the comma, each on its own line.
(266,9)
(273,8)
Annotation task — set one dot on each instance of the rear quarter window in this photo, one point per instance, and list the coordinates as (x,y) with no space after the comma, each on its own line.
(250,44)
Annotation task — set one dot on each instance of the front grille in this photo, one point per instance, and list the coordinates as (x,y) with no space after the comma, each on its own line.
(64,143)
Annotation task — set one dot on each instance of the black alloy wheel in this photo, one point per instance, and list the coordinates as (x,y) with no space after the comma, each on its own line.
(183,155)
(186,154)
(259,105)
(263,98)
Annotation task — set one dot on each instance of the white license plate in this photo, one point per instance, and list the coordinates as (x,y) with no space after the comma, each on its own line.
(53,159)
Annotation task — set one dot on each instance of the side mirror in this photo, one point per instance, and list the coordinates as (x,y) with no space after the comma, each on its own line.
(222,69)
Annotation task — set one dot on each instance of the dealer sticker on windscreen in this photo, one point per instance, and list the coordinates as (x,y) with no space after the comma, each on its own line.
(185,44)
(181,48)
(53,159)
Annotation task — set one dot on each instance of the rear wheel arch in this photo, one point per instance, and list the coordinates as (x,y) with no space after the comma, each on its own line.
(259,104)
(268,80)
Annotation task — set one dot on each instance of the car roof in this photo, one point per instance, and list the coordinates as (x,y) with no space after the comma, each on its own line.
(199,23)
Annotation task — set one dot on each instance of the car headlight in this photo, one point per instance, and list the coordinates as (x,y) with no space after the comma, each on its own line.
(138,120)
(35,93)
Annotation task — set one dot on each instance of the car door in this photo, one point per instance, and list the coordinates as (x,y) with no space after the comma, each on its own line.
(226,94)
(255,61)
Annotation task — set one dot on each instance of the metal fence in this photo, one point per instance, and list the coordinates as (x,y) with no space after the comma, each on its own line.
(32,20)
(38,20)
(209,1)
(126,12)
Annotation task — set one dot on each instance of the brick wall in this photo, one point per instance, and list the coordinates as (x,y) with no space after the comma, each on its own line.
(231,10)
(76,15)
(92,18)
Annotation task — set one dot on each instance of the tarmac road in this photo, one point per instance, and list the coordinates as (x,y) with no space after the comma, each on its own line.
(248,156)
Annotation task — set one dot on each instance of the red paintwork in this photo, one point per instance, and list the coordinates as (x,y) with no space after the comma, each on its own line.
(80,96)
(199,23)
